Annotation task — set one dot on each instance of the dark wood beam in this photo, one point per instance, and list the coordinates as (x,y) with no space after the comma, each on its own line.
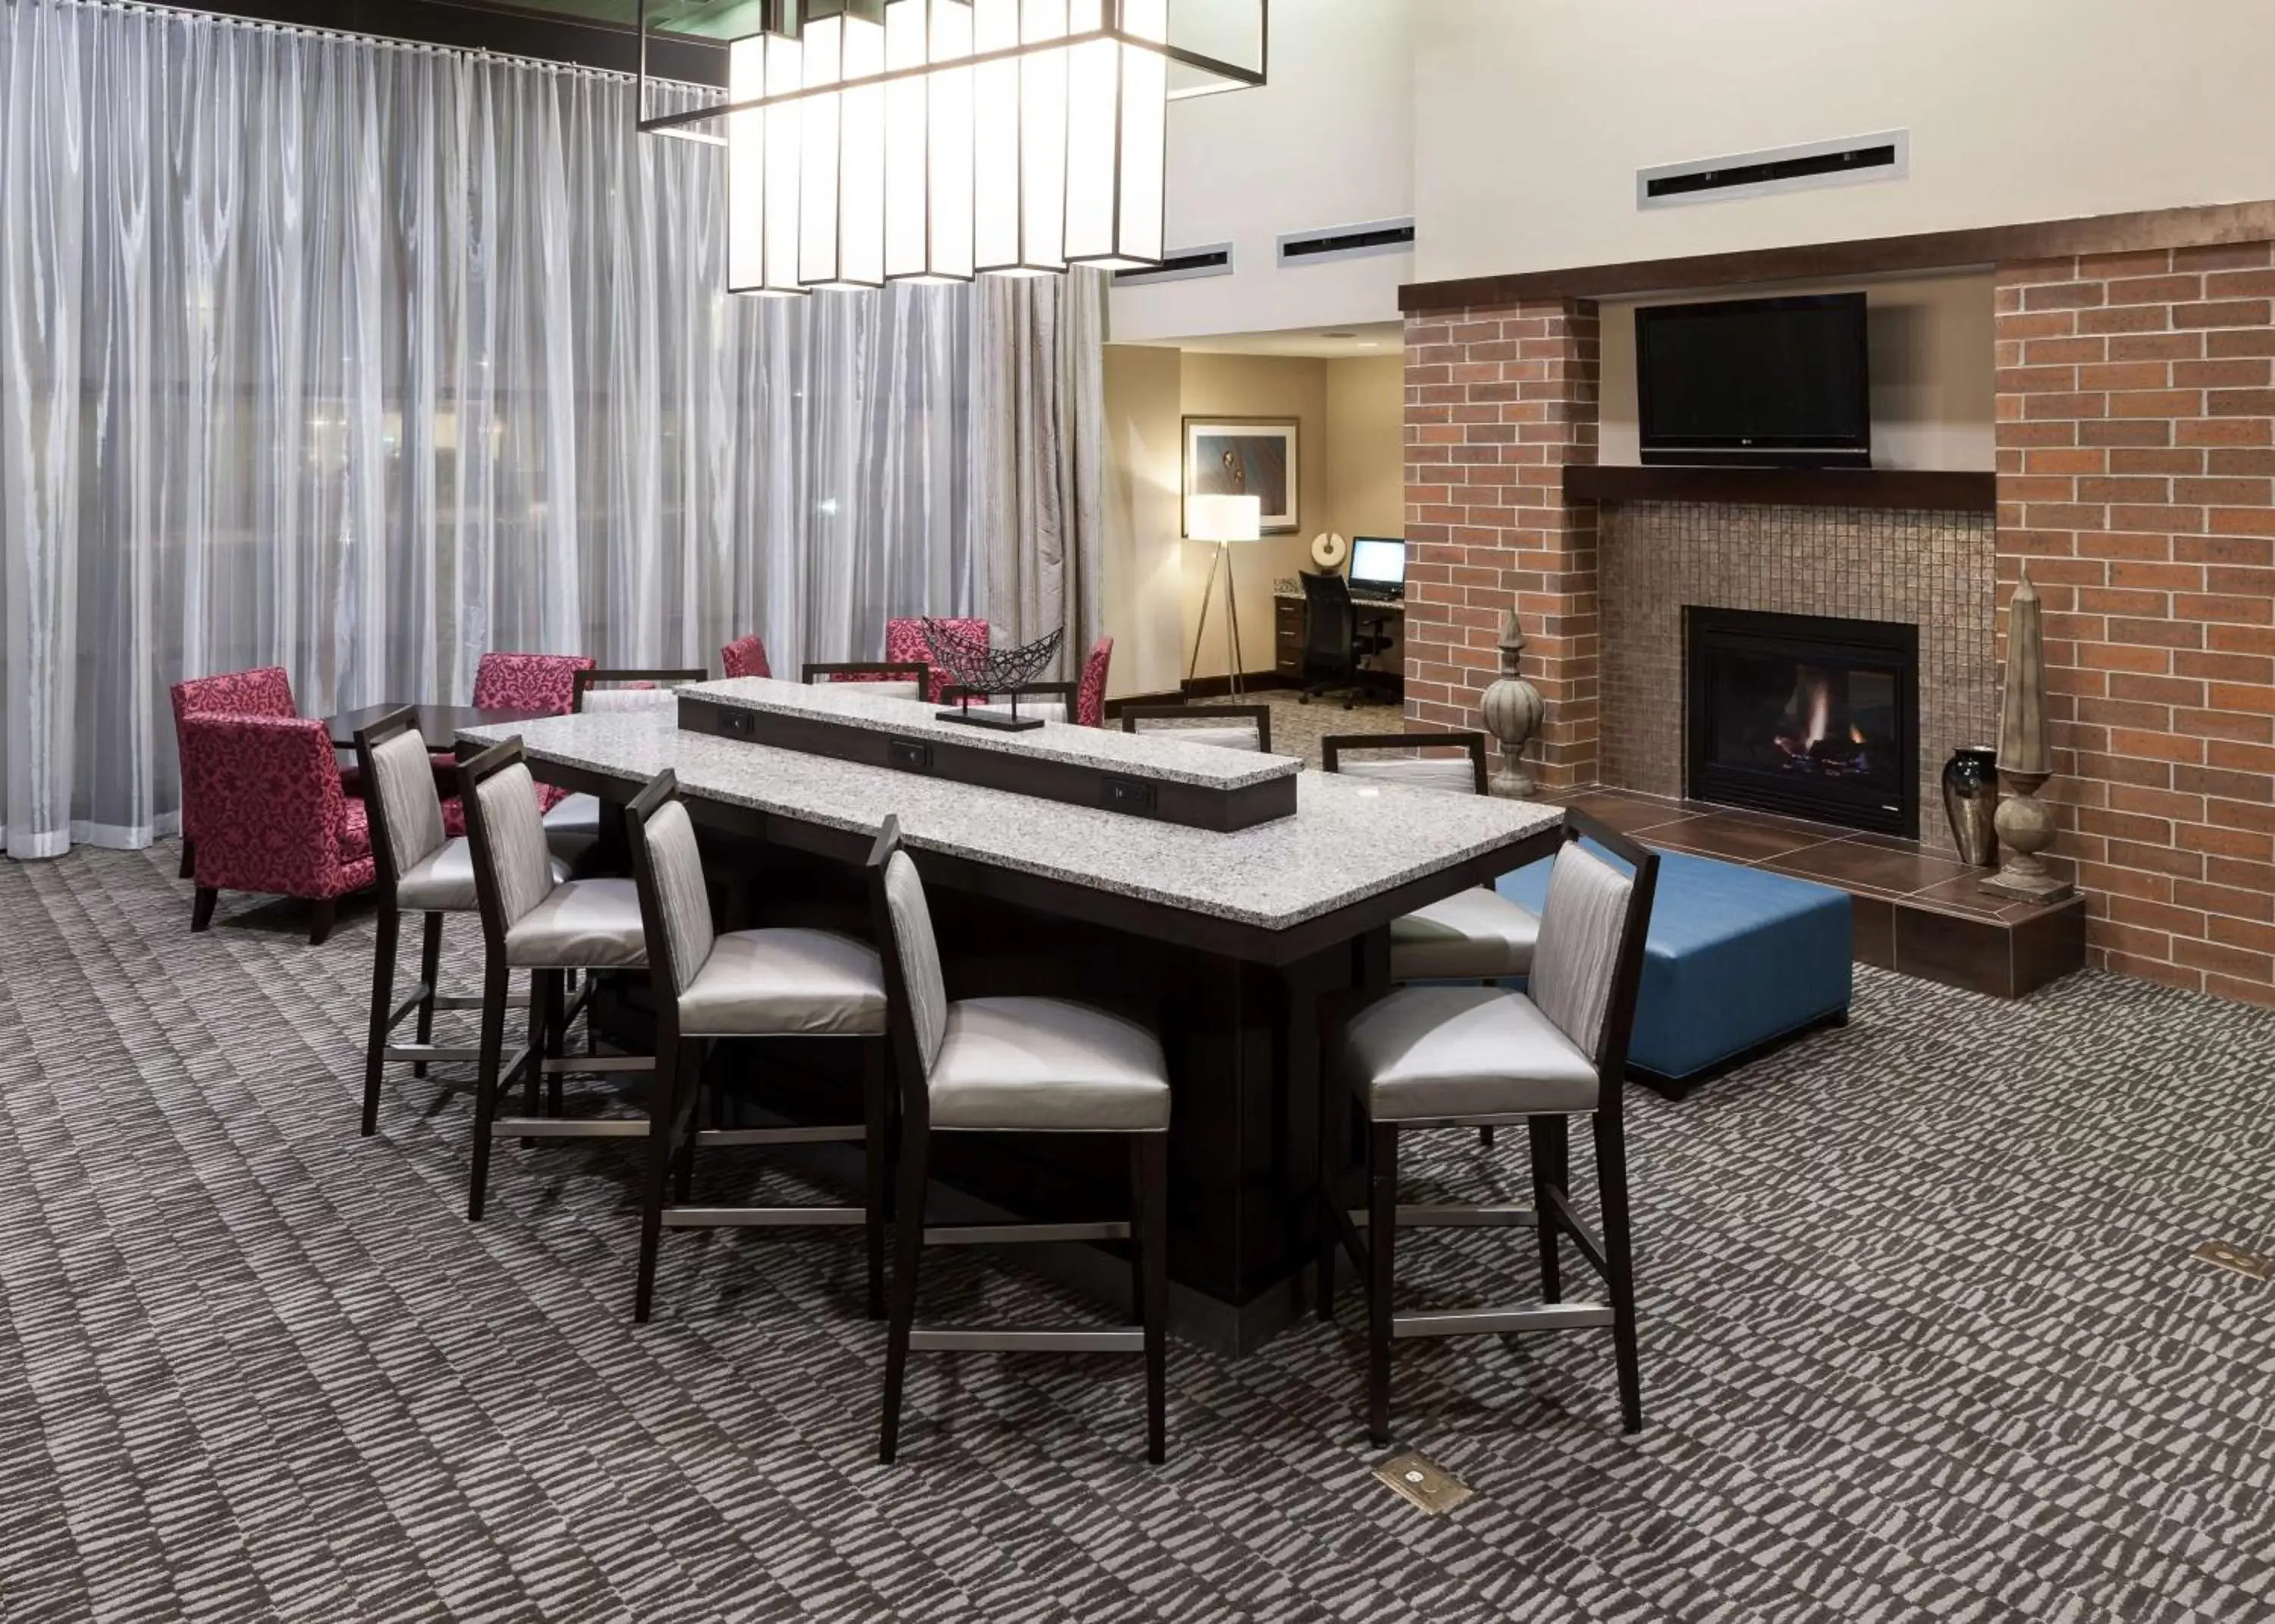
(1926,251)
(510,30)
(1933,489)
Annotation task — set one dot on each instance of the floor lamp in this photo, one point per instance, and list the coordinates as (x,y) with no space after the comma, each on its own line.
(1223,520)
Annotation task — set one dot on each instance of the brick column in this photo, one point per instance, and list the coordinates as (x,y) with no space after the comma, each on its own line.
(1498,401)
(2136,476)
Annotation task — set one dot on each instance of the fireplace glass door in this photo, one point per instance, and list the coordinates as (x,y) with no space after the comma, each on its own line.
(1805,714)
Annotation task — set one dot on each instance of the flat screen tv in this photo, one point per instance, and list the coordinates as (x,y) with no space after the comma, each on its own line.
(1761,382)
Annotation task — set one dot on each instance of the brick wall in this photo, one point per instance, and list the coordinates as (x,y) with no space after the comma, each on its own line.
(2136,436)
(1498,401)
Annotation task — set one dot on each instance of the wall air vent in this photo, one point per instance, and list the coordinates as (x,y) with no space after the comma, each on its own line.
(1346,242)
(1847,162)
(1181,265)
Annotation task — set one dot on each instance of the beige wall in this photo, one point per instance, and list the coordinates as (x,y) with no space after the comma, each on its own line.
(1143,578)
(1351,478)
(1366,438)
(1932,352)
(1532,118)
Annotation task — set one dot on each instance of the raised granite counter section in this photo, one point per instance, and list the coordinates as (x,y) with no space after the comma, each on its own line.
(1158,756)
(1348,840)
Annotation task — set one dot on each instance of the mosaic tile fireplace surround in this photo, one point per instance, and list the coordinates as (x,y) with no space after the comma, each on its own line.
(1934,570)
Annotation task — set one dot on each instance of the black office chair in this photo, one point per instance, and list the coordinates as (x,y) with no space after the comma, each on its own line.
(1335,645)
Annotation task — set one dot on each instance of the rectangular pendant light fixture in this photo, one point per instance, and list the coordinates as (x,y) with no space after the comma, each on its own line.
(929,140)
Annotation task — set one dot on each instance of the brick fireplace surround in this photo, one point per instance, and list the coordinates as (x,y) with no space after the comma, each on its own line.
(2137,477)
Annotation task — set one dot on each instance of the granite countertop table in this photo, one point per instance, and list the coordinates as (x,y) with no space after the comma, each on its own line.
(1351,839)
(1156,755)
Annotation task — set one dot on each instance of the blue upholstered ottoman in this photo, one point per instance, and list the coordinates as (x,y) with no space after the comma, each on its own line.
(1738,957)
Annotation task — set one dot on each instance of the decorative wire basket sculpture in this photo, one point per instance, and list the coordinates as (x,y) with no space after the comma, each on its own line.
(980,670)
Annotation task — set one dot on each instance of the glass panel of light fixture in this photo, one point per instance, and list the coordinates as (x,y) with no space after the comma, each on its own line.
(908,184)
(1043,139)
(948,93)
(861,160)
(1143,152)
(1093,122)
(995,137)
(785,71)
(746,161)
(817,234)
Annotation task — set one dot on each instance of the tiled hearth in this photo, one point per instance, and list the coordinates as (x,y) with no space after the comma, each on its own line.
(1916,910)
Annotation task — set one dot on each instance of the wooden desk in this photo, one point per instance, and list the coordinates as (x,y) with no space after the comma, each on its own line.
(1225,942)
(1290,619)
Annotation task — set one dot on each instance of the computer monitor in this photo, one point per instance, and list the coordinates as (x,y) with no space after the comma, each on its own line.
(1378,561)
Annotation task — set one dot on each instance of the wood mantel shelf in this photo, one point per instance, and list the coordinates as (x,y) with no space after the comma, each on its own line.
(1940,490)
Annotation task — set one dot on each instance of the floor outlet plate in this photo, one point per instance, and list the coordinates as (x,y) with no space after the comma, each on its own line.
(1429,1485)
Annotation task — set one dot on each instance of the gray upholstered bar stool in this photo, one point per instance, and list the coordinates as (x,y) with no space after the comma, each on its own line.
(419,869)
(1235,727)
(574,825)
(1473,935)
(1014,1065)
(775,982)
(1439,1056)
(534,921)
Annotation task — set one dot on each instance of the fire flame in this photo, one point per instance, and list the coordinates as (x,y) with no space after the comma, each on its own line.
(1820,707)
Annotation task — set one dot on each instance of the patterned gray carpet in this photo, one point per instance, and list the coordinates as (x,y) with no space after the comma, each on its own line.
(1921,1339)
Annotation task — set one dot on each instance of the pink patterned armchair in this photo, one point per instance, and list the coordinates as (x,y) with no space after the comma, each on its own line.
(546,682)
(1090,699)
(272,817)
(264,690)
(905,639)
(745,657)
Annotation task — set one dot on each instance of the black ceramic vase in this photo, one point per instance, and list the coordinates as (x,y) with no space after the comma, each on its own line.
(1970,798)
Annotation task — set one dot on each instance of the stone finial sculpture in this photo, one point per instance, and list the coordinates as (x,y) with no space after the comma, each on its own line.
(1513,709)
(2025,823)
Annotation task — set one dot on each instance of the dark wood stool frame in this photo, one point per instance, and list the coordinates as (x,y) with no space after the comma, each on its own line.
(582,681)
(1261,714)
(826,672)
(1147,1229)
(1551,1214)
(544,1059)
(1333,747)
(672,1136)
(1065,693)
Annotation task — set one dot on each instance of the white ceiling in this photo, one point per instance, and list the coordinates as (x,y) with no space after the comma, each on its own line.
(1358,339)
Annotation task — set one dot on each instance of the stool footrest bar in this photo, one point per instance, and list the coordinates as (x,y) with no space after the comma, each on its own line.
(1426,1216)
(567,1128)
(991,1339)
(992,1234)
(597,1063)
(760,1216)
(431,1052)
(1474,1321)
(730,1136)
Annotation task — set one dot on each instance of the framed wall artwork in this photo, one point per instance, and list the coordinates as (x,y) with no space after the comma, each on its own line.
(1245,456)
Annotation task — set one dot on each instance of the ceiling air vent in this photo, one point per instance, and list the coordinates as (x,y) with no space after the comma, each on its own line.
(1181,265)
(1346,242)
(1850,161)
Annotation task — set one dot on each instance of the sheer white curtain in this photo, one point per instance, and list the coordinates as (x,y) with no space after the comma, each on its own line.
(361,359)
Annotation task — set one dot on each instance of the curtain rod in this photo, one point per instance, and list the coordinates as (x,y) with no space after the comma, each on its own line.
(261,25)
